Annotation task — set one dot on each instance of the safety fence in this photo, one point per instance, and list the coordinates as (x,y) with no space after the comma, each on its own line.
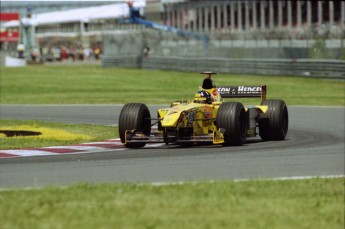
(333,69)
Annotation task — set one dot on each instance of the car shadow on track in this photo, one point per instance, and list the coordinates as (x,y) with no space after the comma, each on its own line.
(247,142)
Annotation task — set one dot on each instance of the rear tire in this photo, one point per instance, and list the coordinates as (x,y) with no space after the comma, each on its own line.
(274,123)
(134,116)
(231,116)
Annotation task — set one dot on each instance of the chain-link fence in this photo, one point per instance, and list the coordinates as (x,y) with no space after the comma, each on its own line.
(159,50)
(157,43)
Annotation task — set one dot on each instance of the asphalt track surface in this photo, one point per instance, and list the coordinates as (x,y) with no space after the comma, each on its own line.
(314,147)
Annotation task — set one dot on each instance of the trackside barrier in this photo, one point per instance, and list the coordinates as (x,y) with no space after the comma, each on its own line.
(288,67)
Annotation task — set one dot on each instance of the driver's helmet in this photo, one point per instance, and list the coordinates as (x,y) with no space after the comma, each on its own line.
(203,97)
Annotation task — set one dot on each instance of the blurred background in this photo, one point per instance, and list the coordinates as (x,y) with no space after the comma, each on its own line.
(250,36)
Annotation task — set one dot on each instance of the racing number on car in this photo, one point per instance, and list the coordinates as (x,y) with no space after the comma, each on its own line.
(191,116)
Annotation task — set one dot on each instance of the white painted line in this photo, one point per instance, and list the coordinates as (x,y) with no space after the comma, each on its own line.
(82,148)
(93,151)
(307,177)
(252,179)
(76,147)
(27,153)
(103,143)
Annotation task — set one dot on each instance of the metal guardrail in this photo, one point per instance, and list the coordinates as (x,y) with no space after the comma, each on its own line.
(288,67)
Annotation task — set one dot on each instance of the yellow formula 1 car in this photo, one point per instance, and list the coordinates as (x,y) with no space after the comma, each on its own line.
(206,118)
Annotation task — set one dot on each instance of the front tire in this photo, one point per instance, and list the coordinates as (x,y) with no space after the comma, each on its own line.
(274,123)
(231,116)
(134,116)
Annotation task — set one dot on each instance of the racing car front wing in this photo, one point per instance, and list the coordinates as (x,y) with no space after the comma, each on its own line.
(131,136)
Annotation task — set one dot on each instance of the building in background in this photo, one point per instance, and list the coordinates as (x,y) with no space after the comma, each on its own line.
(83,24)
(9,35)
(79,25)
(267,19)
(37,7)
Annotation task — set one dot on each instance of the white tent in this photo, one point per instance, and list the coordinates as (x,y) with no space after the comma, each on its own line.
(86,14)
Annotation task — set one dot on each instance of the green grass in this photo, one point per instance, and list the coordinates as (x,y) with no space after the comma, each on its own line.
(97,85)
(313,203)
(98,133)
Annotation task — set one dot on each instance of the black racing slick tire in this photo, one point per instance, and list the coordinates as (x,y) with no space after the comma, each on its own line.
(231,117)
(134,116)
(274,123)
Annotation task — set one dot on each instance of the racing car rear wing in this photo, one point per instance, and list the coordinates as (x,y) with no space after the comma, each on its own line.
(242,91)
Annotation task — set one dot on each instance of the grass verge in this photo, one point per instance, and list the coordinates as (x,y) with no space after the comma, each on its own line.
(97,85)
(52,134)
(313,203)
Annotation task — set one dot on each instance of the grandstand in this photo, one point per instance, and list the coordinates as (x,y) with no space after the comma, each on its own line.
(68,21)
(229,24)
(260,19)
(300,19)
